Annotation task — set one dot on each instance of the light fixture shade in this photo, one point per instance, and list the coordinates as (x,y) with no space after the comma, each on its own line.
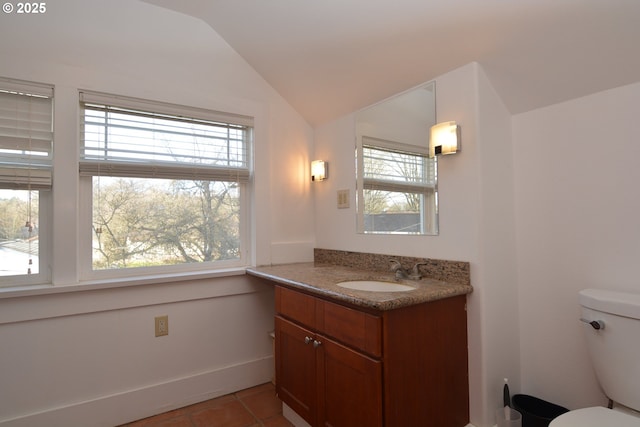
(444,139)
(319,170)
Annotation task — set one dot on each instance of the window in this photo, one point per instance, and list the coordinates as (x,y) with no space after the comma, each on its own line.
(167,186)
(26,152)
(397,188)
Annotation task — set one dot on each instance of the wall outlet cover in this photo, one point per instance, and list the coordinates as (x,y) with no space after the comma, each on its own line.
(162,326)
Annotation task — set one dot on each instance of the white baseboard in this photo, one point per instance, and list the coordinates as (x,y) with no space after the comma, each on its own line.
(130,405)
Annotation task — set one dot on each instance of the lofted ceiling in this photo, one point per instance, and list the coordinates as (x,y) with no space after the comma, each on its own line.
(331,57)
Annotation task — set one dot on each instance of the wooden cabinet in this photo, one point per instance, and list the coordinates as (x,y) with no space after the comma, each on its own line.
(341,366)
(325,381)
(296,377)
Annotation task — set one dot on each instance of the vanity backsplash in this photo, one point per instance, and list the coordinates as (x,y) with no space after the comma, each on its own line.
(454,272)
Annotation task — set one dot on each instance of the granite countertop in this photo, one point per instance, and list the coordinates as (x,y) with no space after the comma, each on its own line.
(322,280)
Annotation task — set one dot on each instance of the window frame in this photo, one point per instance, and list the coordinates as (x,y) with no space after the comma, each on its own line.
(44,189)
(245,188)
(427,192)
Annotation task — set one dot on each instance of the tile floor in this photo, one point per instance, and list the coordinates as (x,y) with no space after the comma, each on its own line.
(254,407)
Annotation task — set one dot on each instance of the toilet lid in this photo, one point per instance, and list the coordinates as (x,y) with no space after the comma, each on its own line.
(595,417)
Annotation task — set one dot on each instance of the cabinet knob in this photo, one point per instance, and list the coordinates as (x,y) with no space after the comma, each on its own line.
(316,343)
(307,340)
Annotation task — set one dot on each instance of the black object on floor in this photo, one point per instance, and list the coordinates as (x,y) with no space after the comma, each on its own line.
(536,412)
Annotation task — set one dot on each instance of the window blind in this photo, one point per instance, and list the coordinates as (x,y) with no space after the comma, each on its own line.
(128,137)
(396,167)
(26,135)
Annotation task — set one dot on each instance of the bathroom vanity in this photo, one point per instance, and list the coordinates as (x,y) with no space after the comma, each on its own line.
(358,358)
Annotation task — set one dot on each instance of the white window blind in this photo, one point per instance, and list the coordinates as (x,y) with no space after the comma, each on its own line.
(129,137)
(26,135)
(396,167)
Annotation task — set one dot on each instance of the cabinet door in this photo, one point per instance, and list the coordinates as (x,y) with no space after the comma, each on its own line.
(296,368)
(350,386)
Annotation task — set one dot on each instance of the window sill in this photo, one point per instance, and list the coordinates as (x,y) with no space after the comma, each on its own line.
(93,285)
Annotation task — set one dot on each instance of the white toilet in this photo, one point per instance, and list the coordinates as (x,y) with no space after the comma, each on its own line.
(612,327)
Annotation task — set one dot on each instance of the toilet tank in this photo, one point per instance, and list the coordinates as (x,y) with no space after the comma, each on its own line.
(615,348)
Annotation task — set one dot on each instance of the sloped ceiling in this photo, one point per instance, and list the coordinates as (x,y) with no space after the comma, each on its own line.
(332,57)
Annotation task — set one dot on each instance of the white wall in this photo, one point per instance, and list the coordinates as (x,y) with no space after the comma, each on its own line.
(577,207)
(90,357)
(476,223)
(499,329)
(77,357)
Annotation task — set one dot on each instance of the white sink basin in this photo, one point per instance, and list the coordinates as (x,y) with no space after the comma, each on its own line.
(375,286)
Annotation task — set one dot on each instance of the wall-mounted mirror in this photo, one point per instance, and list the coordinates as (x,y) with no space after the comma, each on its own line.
(397,190)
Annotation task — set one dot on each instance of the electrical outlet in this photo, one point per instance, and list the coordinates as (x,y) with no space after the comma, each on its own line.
(162,326)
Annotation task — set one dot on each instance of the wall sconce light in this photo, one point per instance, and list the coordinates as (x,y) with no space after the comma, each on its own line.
(319,170)
(444,139)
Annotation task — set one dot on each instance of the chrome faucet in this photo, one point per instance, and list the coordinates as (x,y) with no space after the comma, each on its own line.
(402,273)
(416,274)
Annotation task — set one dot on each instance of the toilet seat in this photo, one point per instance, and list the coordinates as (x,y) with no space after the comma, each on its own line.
(597,416)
